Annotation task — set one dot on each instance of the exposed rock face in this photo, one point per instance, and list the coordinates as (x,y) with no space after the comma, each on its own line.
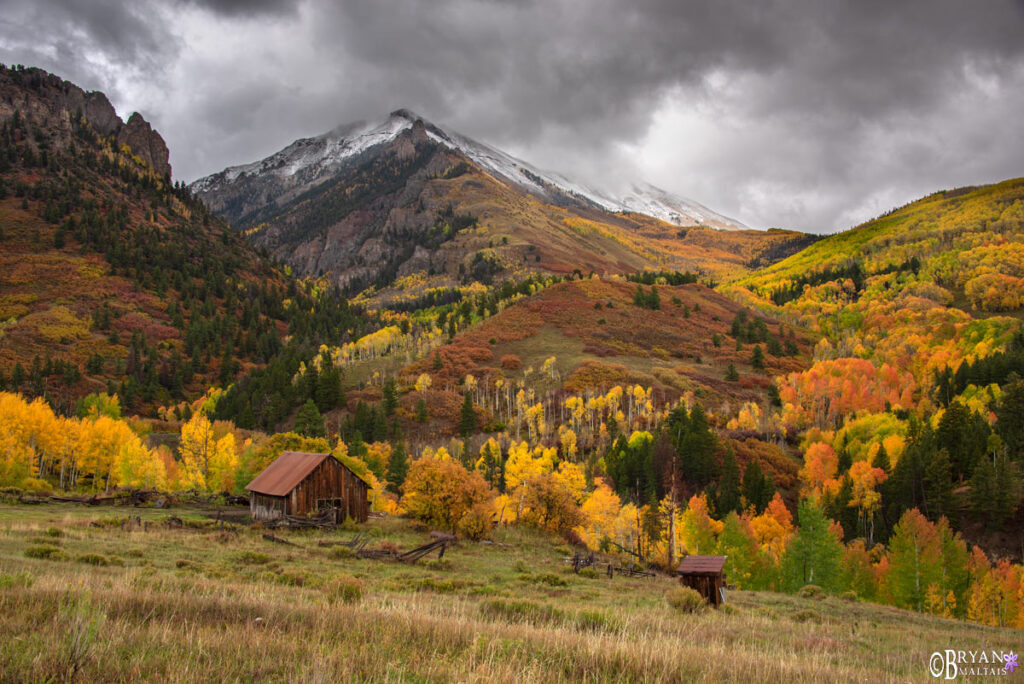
(59,96)
(144,142)
(100,113)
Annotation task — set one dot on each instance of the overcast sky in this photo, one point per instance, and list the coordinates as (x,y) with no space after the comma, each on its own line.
(806,114)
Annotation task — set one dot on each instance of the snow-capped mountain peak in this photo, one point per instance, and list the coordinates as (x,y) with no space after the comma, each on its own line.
(311,158)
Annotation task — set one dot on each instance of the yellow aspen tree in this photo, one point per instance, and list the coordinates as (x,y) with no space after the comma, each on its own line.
(571,476)
(208,463)
(139,467)
(600,511)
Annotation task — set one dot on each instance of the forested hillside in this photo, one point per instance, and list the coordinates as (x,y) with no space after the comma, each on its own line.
(915,396)
(114,279)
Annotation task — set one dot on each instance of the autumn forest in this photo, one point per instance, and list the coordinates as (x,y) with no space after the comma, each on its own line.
(847,418)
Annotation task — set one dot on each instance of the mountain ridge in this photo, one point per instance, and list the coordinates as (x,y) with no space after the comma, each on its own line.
(367,205)
(348,140)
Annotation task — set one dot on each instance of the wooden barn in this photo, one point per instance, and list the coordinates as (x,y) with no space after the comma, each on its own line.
(299,483)
(705,575)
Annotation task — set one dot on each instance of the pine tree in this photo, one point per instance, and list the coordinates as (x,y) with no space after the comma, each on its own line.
(938,485)
(17,376)
(356,445)
(728,493)
(757,358)
(398,467)
(309,422)
(1010,417)
(838,507)
(758,488)
(881,460)
(845,460)
(995,489)
(697,448)
(421,411)
(962,433)
(328,389)
(731,374)
(467,417)
(390,401)
(378,431)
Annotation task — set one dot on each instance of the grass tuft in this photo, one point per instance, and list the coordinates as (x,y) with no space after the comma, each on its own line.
(45,553)
(686,600)
(811,591)
(806,615)
(344,588)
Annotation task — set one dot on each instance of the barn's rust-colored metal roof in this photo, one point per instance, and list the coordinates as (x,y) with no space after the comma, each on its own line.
(285,473)
(701,564)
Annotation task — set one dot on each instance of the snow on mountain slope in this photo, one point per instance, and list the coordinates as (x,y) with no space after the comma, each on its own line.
(311,158)
(312,154)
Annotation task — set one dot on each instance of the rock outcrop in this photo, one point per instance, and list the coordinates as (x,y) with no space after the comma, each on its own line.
(58,95)
(144,143)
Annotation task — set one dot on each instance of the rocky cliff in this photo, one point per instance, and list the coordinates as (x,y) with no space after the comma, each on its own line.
(66,99)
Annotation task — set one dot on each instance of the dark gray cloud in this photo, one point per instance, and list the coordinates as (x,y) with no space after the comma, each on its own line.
(240,8)
(803,113)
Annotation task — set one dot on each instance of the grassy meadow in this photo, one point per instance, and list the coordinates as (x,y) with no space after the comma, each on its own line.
(84,595)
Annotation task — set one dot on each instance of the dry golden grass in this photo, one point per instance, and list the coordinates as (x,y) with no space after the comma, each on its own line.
(196,604)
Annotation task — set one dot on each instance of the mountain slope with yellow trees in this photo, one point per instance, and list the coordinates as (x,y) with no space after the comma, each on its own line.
(914,397)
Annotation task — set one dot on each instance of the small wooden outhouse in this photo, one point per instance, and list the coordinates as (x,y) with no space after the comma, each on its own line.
(705,575)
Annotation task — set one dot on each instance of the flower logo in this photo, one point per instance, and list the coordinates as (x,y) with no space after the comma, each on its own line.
(1011,662)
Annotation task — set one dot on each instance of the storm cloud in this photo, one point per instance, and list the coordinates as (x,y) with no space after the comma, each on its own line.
(805,114)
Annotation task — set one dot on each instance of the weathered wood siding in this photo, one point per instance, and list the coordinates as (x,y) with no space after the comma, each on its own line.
(707,585)
(327,482)
(264,507)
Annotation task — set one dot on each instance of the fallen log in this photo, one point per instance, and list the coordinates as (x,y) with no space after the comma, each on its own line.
(278,540)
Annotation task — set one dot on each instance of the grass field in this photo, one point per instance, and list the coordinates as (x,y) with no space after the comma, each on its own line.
(82,595)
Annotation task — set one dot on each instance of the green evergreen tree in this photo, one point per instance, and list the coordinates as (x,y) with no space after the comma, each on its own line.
(494,467)
(837,507)
(356,445)
(963,434)
(938,485)
(995,489)
(398,468)
(731,374)
(881,460)
(328,389)
(390,401)
(467,417)
(421,411)
(1010,417)
(309,422)
(757,358)
(758,488)
(845,460)
(727,497)
(17,376)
